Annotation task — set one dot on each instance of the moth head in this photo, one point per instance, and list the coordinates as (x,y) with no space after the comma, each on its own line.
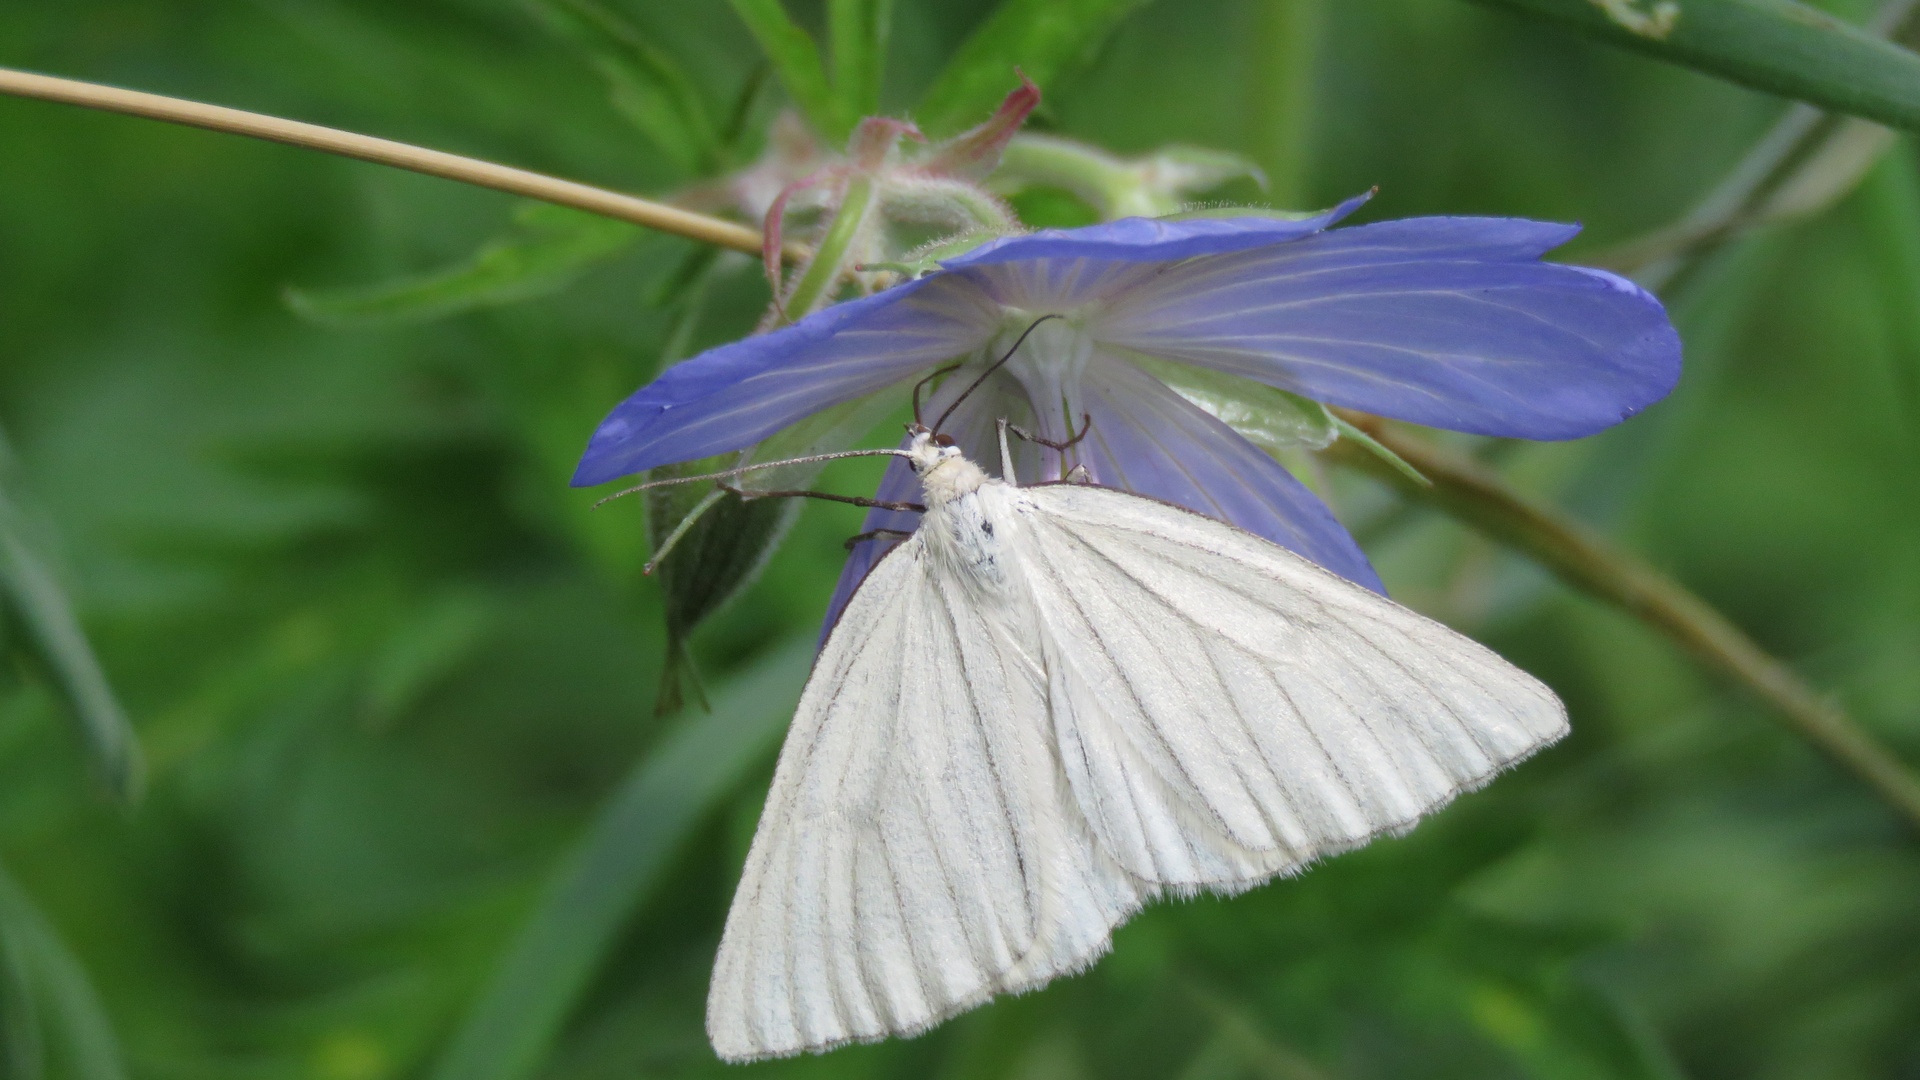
(928,448)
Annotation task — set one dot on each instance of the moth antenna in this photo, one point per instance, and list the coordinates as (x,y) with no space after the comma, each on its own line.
(921,385)
(991,368)
(723,474)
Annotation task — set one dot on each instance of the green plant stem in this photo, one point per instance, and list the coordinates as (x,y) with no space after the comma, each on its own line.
(1470,492)
(1779,47)
(1287,35)
(1804,164)
(817,281)
(532,185)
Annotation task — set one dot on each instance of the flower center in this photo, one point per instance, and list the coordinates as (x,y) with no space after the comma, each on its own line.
(1048,364)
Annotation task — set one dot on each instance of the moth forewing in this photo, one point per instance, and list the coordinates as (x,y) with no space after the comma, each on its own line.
(1052,704)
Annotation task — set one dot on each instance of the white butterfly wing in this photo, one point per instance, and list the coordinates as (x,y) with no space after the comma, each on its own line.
(919,850)
(1227,710)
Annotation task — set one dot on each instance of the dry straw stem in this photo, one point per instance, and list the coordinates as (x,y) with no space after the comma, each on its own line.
(1472,493)
(532,185)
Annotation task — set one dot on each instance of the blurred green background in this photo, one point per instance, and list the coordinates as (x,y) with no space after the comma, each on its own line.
(408,809)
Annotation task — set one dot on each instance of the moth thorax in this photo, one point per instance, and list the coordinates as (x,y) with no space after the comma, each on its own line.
(950,478)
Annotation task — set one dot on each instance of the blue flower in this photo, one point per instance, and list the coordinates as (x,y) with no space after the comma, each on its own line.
(1451,322)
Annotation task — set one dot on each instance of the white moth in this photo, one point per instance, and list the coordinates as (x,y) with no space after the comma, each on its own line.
(1052,704)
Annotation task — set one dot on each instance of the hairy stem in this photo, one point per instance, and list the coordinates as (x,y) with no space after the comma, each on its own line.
(1470,492)
(816,285)
(532,185)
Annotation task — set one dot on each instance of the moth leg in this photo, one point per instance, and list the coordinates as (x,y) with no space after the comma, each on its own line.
(1086,426)
(875,534)
(856,500)
(1006,456)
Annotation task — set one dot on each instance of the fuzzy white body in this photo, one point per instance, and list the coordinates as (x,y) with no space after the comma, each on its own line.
(1051,705)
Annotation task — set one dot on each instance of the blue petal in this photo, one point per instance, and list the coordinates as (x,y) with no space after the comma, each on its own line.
(1450,322)
(1151,239)
(1149,440)
(1145,439)
(734,396)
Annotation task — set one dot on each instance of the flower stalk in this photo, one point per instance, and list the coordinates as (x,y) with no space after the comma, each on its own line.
(814,289)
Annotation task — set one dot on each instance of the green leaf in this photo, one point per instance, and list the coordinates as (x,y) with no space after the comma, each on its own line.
(796,59)
(64,1002)
(1047,39)
(648,86)
(550,246)
(28,586)
(1777,46)
(507,1033)
(858,30)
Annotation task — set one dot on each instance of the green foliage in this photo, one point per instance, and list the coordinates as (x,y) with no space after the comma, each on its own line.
(797,61)
(549,247)
(409,807)
(857,33)
(1780,46)
(50,1015)
(617,864)
(646,84)
(30,593)
(858,30)
(1048,39)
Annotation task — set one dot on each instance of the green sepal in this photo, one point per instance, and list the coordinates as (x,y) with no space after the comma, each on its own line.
(1155,185)
(927,259)
(1272,419)
(718,553)
(1374,445)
